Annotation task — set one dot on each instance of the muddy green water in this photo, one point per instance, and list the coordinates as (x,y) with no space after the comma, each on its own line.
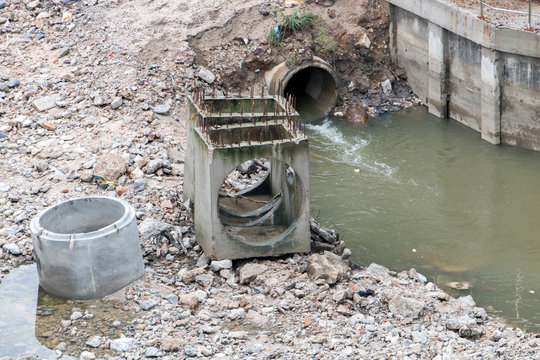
(411,190)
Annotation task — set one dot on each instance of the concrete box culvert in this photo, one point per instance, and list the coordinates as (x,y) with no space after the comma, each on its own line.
(314,83)
(87,248)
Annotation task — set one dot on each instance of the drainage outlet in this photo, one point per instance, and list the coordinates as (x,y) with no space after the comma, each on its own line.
(313,84)
(87,248)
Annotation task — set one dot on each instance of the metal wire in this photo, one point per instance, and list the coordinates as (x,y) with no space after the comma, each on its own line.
(529,14)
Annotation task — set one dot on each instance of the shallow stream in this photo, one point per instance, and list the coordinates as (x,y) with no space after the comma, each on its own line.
(412,190)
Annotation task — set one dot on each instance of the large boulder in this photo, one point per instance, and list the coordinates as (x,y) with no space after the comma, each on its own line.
(404,307)
(327,266)
(110,167)
(357,115)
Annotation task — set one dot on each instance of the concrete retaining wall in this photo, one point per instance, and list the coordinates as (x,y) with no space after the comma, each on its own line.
(463,68)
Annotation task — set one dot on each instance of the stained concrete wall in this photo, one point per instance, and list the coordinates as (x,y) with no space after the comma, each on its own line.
(463,68)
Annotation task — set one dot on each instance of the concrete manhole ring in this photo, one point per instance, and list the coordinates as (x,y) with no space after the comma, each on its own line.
(87,247)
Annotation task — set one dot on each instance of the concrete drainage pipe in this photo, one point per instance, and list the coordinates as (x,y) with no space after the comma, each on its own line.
(87,248)
(313,83)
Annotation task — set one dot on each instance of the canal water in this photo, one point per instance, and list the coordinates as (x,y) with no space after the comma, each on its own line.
(412,190)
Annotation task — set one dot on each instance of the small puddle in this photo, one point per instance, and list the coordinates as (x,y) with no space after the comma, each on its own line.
(33,322)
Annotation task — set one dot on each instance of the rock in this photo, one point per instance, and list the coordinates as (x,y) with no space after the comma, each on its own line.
(110,167)
(387,87)
(343,310)
(328,266)
(256,318)
(220,265)
(153,166)
(171,343)
(94,341)
(419,337)
(150,227)
(13,249)
(116,103)
(13,83)
(205,279)
(250,271)
(152,352)
(467,301)
(48,125)
(356,115)
(147,305)
(190,300)
(203,261)
(87,176)
(4,187)
(206,75)
(139,185)
(175,156)
(405,307)
(46,103)
(364,41)
(121,190)
(76,315)
(122,344)
(237,314)
(162,109)
(87,355)
(238,335)
(459,285)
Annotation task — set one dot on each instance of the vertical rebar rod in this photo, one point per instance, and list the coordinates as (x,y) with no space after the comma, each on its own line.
(226,92)
(266,109)
(271,136)
(221,133)
(249,138)
(262,91)
(252,107)
(241,108)
(251,92)
(230,109)
(530,14)
(220,105)
(214,92)
(240,93)
(481,9)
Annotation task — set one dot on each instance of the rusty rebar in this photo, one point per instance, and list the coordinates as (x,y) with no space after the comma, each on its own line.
(252,107)
(226,92)
(251,92)
(271,136)
(214,92)
(262,91)
(240,92)
(221,135)
(230,109)
(266,109)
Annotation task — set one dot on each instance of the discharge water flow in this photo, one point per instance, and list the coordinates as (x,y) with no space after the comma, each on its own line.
(412,190)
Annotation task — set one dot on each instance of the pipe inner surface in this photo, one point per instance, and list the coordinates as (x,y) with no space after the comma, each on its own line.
(313,87)
(82,216)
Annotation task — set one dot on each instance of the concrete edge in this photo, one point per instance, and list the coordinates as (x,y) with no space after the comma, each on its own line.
(472,28)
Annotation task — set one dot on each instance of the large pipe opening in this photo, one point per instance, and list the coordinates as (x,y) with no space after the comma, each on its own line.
(313,84)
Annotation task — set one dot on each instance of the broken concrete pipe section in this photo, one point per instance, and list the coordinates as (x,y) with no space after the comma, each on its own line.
(87,248)
(314,82)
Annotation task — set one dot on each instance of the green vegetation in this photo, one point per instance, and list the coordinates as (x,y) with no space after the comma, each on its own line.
(291,60)
(324,42)
(296,21)
(289,25)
